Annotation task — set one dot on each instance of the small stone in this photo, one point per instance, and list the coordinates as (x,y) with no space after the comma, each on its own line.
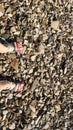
(22,68)
(45,37)
(14,64)
(30,80)
(5,112)
(14,12)
(51,1)
(23,50)
(1,14)
(0,117)
(6,35)
(9,15)
(2,31)
(58,108)
(37,120)
(0,68)
(55,25)
(33,58)
(11,56)
(41,49)
(46,126)
(57,93)
(52,68)
(10,96)
(8,10)
(31,71)
(32,108)
(20,0)
(18,95)
(33,114)
(13,29)
(58,83)
(59,56)
(12,126)
(1,8)
(65,70)
(4,117)
(35,84)
(64,55)
(17,33)
(4,128)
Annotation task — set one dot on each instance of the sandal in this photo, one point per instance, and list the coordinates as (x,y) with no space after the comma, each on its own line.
(7,85)
(17,45)
(18,87)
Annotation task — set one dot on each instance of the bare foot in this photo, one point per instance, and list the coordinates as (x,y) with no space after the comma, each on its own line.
(10,86)
(6,47)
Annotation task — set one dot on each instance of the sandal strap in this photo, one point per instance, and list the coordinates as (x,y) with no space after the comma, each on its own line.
(18,87)
(18,46)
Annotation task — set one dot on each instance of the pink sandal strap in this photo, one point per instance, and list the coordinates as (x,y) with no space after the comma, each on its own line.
(19,87)
(18,46)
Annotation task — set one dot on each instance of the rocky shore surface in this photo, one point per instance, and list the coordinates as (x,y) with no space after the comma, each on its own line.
(45,65)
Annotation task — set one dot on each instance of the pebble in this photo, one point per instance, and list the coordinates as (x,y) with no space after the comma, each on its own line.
(5,112)
(14,64)
(23,50)
(12,56)
(51,1)
(58,108)
(8,10)
(9,15)
(18,95)
(4,128)
(13,29)
(31,71)
(16,32)
(1,14)
(2,8)
(0,68)
(10,96)
(41,49)
(2,31)
(46,126)
(72,48)
(12,126)
(57,93)
(32,108)
(65,70)
(35,84)
(55,25)
(60,56)
(33,58)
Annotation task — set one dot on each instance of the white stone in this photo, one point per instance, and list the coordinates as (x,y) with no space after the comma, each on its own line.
(33,58)
(41,49)
(55,25)
(1,14)
(17,33)
(5,112)
(12,126)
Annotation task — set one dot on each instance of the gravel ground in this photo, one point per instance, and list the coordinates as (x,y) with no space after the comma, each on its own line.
(45,30)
